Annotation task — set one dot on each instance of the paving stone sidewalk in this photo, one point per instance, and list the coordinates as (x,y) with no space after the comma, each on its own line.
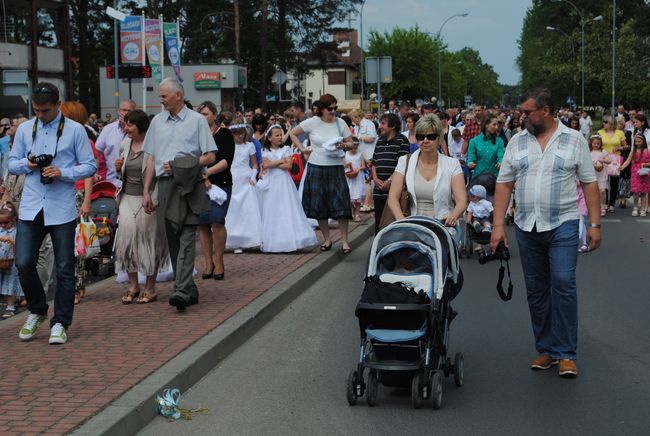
(54,389)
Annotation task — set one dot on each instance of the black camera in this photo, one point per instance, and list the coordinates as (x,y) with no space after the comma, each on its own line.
(43,161)
(501,253)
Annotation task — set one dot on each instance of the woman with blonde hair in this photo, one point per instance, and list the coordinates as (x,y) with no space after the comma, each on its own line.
(435,181)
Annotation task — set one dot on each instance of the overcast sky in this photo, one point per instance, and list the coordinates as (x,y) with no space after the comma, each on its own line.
(492,27)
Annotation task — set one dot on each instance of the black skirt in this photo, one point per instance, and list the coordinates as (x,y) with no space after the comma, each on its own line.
(326,193)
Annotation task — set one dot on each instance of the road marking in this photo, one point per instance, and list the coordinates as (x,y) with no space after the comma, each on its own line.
(610,220)
(643,221)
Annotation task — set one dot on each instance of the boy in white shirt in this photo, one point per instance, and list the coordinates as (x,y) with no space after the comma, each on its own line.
(479,210)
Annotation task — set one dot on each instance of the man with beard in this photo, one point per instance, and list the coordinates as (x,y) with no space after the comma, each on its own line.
(545,160)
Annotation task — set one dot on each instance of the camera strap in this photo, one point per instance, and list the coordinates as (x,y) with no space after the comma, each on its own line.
(59,132)
(505,296)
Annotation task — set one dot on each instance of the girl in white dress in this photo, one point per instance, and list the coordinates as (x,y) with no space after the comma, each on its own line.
(354,165)
(244,219)
(284,224)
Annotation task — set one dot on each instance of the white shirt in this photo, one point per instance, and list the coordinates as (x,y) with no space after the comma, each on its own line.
(546,193)
(319,133)
(442,196)
(480,209)
(585,125)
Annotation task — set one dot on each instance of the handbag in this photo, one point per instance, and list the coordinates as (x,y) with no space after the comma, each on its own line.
(614,167)
(86,239)
(387,216)
(7,249)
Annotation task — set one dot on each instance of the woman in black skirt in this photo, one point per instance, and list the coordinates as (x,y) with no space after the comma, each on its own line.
(326,194)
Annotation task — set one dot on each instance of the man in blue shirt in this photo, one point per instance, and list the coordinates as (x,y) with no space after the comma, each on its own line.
(52,152)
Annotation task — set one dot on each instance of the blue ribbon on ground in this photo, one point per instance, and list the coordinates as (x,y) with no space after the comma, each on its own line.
(168,404)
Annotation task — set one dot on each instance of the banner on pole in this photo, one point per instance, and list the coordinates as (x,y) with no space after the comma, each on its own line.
(171,41)
(131,40)
(154,47)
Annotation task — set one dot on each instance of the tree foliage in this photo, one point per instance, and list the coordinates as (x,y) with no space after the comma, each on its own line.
(415,68)
(268,40)
(552,59)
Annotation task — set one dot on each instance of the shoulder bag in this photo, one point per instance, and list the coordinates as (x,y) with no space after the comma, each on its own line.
(387,216)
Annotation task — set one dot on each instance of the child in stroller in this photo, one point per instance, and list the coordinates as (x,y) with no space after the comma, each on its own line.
(477,234)
(404,313)
(479,211)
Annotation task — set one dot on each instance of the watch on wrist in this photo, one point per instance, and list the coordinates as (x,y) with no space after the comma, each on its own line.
(594,225)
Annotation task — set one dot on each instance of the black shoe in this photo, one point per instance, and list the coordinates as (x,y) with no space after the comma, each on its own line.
(207,276)
(179,302)
(219,276)
(193,301)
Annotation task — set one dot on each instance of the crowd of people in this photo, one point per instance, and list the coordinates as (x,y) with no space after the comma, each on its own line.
(251,180)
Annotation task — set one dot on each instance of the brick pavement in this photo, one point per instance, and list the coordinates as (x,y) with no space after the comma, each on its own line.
(54,389)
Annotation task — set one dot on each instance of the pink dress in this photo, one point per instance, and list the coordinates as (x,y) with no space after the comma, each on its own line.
(601,176)
(640,184)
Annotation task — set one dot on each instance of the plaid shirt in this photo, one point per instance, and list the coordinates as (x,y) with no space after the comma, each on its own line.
(472,129)
(546,193)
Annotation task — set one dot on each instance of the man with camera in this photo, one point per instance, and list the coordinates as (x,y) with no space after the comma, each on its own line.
(52,152)
(545,160)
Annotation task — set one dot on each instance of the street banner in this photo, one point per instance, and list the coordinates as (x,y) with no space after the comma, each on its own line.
(153,44)
(131,40)
(170,31)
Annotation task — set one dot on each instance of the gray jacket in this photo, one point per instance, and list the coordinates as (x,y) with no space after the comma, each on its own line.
(187,198)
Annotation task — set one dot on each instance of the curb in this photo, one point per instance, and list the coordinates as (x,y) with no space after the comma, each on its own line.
(134,409)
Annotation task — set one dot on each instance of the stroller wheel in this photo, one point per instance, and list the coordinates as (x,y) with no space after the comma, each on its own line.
(459,369)
(352,388)
(373,388)
(436,389)
(416,391)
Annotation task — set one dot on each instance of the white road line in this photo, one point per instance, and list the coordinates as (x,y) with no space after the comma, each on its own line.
(610,220)
(643,221)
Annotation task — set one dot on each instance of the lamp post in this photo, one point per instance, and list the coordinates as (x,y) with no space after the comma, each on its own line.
(613,56)
(362,52)
(582,45)
(440,52)
(573,49)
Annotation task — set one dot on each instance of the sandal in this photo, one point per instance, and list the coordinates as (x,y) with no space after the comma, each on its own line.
(346,250)
(127,298)
(147,298)
(9,312)
(326,247)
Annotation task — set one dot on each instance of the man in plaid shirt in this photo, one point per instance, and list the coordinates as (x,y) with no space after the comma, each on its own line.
(472,129)
(545,160)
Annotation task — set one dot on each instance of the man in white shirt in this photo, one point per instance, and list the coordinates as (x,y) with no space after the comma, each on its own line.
(545,160)
(111,138)
(585,124)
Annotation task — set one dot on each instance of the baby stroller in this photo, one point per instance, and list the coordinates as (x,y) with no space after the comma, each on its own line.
(103,212)
(404,313)
(470,235)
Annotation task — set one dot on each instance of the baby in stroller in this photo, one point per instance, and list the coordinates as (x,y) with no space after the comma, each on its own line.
(479,211)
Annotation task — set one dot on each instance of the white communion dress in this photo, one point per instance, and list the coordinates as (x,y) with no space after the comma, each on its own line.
(284,224)
(244,219)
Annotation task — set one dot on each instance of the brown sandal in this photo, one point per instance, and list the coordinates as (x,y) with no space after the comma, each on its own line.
(147,298)
(129,297)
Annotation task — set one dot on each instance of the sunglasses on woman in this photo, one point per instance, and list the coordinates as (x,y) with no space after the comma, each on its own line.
(430,137)
(332,108)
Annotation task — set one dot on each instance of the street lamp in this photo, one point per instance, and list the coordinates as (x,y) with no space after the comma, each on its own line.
(440,52)
(117,16)
(573,49)
(363,2)
(582,44)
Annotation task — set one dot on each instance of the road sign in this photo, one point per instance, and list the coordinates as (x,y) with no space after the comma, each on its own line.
(279,77)
(379,69)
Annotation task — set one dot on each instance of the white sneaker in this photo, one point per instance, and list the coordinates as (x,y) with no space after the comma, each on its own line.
(32,324)
(238,251)
(635,211)
(57,334)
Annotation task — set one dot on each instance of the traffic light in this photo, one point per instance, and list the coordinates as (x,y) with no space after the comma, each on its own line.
(128,71)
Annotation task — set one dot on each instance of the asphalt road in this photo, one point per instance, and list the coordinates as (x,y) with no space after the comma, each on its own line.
(290,378)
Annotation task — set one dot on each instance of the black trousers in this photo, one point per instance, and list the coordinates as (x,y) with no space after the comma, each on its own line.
(380,205)
(613,190)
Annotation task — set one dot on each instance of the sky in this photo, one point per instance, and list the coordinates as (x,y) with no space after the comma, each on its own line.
(492,26)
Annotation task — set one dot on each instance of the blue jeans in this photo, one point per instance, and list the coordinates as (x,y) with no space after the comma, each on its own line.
(29,236)
(549,262)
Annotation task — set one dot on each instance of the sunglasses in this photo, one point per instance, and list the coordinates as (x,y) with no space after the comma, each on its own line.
(332,108)
(430,137)
(43,90)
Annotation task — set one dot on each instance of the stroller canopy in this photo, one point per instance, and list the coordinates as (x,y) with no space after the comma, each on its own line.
(428,240)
